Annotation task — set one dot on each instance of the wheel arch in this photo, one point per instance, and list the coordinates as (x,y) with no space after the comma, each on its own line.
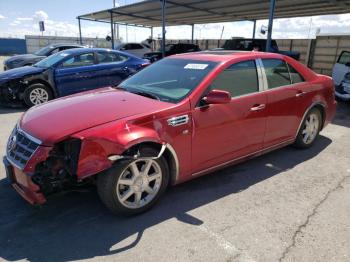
(169,154)
(318,105)
(43,82)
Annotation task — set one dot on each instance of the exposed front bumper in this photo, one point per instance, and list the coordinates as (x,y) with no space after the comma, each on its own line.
(23,184)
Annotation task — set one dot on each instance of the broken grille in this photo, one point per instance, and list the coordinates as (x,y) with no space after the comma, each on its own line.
(21,147)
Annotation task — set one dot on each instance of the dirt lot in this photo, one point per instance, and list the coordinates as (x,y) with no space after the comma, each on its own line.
(289,205)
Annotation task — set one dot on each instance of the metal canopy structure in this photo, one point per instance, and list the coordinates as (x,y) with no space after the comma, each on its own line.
(189,12)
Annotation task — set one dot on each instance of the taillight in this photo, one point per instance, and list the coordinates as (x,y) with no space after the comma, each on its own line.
(145,64)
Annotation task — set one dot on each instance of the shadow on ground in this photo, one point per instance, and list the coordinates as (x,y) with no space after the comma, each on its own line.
(77,226)
(11,109)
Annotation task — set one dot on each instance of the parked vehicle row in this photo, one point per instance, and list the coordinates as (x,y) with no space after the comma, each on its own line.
(244,44)
(67,72)
(171,49)
(135,49)
(179,118)
(30,59)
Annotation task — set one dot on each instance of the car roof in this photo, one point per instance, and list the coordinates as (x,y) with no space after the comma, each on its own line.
(224,56)
(86,49)
(66,44)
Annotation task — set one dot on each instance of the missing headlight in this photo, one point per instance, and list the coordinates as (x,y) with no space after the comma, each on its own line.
(58,172)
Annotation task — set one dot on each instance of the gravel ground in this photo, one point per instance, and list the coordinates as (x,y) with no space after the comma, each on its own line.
(288,205)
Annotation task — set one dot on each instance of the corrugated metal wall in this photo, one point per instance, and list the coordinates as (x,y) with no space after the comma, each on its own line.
(320,54)
(325,50)
(35,42)
(11,46)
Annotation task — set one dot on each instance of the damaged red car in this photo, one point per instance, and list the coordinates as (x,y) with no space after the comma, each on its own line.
(178,119)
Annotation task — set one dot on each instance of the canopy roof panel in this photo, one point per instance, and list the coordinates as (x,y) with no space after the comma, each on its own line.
(187,12)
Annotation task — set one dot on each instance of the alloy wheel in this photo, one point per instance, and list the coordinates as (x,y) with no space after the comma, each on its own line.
(311,128)
(139,183)
(38,96)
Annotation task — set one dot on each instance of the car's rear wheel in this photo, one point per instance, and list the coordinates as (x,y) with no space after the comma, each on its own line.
(132,187)
(37,94)
(310,129)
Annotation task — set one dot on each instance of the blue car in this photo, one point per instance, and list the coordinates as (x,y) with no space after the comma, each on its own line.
(67,72)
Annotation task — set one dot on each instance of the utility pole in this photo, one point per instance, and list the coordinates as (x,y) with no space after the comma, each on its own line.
(163,27)
(271,17)
(116,26)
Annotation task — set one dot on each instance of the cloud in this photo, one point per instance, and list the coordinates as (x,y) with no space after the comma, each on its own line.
(40,16)
(24,19)
(2,17)
(303,27)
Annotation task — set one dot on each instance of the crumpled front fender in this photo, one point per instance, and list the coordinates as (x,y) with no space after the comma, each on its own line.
(110,139)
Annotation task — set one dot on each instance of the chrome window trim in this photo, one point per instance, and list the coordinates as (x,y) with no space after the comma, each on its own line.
(260,81)
(264,85)
(265,77)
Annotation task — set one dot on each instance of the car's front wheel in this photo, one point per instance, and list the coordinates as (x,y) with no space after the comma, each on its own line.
(37,94)
(132,187)
(310,129)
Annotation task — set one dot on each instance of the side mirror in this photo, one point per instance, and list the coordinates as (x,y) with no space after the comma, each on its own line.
(217,97)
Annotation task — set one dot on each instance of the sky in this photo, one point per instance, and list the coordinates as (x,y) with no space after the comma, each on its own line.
(20,17)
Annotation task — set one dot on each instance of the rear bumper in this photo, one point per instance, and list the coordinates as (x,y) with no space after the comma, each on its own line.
(23,184)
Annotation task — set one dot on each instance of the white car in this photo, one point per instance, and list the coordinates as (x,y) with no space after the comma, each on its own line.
(135,49)
(341,76)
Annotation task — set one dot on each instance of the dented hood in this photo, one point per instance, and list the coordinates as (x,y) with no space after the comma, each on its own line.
(55,120)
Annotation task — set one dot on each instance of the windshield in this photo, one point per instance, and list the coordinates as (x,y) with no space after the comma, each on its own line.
(169,80)
(43,51)
(51,60)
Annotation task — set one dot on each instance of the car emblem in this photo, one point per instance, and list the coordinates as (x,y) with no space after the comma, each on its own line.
(12,143)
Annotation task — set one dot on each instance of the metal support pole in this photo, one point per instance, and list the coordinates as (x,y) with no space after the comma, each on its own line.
(254,28)
(112,31)
(192,38)
(80,38)
(163,27)
(269,30)
(152,42)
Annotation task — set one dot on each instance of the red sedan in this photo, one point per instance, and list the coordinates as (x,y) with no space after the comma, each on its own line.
(180,118)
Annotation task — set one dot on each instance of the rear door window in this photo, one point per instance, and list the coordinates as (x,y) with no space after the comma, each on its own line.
(79,60)
(109,57)
(238,79)
(295,76)
(344,58)
(277,73)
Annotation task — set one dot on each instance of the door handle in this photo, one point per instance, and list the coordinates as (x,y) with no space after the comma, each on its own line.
(258,107)
(300,94)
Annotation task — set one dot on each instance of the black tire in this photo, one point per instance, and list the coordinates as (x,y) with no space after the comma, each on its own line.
(42,89)
(300,141)
(107,184)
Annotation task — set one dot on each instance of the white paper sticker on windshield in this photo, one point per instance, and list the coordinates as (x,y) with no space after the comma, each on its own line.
(196,66)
